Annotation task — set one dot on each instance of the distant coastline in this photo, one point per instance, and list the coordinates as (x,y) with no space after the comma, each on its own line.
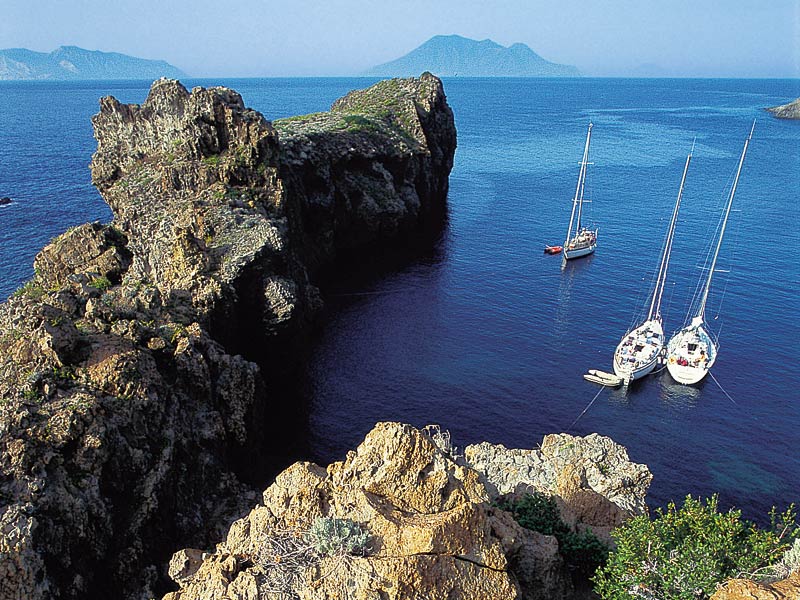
(70,63)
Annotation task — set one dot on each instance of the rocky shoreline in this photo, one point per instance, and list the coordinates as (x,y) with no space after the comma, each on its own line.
(146,370)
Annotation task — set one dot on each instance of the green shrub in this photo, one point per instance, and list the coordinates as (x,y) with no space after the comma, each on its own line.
(31,289)
(331,536)
(582,550)
(101,283)
(684,553)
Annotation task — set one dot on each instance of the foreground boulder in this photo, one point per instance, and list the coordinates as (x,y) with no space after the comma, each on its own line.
(433,531)
(145,371)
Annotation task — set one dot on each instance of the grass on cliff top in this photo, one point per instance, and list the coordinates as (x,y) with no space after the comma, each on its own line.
(386,108)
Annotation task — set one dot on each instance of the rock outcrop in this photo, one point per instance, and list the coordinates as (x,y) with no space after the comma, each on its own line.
(787,111)
(433,532)
(745,589)
(594,482)
(143,370)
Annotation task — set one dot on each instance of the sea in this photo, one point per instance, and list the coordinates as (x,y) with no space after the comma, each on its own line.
(487,336)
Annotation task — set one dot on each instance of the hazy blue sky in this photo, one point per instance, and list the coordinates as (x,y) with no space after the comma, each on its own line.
(748,38)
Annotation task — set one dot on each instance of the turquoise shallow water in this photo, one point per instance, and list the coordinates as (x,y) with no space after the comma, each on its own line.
(486,335)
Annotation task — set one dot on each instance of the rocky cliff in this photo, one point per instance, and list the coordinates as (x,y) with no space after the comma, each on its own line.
(428,527)
(143,370)
(787,111)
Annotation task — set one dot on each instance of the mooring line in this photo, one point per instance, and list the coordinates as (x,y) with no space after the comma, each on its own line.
(722,388)
(588,406)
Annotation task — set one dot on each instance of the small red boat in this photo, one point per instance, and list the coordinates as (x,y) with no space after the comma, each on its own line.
(553,249)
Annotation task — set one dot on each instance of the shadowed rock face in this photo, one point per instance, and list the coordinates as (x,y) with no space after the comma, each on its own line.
(143,370)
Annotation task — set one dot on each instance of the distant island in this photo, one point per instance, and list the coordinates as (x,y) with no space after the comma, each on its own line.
(454,55)
(73,63)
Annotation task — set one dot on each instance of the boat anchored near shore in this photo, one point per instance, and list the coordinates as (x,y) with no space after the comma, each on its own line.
(642,347)
(581,240)
(692,351)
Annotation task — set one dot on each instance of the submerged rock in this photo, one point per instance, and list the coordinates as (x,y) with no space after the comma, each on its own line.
(144,369)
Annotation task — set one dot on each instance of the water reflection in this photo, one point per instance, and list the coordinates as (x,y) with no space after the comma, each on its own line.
(676,395)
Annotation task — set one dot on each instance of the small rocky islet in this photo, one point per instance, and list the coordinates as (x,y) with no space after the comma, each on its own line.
(786,111)
(146,369)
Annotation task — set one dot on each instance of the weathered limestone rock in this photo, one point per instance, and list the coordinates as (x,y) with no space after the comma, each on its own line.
(138,366)
(745,589)
(787,111)
(432,533)
(592,478)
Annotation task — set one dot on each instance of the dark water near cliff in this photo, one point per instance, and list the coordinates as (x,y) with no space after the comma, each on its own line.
(486,335)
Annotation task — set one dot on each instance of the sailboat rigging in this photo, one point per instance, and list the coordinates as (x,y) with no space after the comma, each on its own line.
(580,240)
(640,349)
(692,351)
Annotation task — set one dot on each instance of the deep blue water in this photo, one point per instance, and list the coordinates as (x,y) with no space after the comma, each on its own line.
(489,337)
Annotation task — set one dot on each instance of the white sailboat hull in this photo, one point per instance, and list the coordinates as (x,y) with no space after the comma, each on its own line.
(570,254)
(584,243)
(690,354)
(686,375)
(639,351)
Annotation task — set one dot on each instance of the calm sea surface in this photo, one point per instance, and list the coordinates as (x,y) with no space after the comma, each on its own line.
(488,336)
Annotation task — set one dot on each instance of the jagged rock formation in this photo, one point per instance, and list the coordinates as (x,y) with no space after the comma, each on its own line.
(434,534)
(745,589)
(787,111)
(142,391)
(593,480)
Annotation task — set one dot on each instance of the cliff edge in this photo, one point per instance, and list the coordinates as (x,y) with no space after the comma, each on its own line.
(143,392)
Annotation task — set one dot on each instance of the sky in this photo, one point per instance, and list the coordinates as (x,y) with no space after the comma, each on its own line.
(262,38)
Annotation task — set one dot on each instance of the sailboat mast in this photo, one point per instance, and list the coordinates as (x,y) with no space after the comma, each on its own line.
(655,304)
(701,311)
(577,201)
(582,185)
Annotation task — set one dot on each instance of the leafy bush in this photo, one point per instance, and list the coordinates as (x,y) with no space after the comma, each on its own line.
(684,553)
(331,536)
(101,283)
(582,550)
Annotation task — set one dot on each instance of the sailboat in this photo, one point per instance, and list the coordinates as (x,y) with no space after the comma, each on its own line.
(580,240)
(639,350)
(692,351)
